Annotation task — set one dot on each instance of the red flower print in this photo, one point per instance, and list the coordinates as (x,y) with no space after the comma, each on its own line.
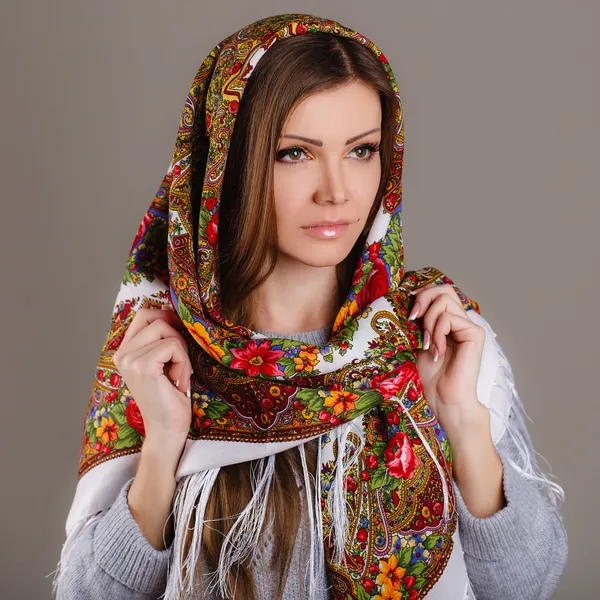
(412,394)
(362,535)
(369,585)
(389,387)
(134,417)
(257,358)
(212,229)
(374,569)
(141,229)
(374,249)
(358,273)
(211,203)
(409,581)
(413,595)
(437,509)
(350,484)
(365,475)
(324,415)
(301,29)
(233,106)
(371,461)
(395,498)
(377,285)
(114,380)
(392,418)
(400,458)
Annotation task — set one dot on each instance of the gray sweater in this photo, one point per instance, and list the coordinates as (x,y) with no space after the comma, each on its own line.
(519,552)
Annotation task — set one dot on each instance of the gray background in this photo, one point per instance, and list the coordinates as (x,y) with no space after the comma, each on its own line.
(500,192)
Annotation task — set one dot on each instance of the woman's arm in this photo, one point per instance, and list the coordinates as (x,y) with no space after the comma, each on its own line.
(113,558)
(521,550)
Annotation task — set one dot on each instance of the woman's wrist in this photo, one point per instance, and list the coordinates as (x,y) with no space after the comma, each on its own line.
(476,465)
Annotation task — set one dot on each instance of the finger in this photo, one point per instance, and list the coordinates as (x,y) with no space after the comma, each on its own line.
(145,316)
(442,304)
(157,330)
(152,361)
(428,294)
(461,328)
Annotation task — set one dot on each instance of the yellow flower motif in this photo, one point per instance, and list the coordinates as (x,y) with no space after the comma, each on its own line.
(302,365)
(309,353)
(275,390)
(390,574)
(425,512)
(200,334)
(107,430)
(350,309)
(388,593)
(340,401)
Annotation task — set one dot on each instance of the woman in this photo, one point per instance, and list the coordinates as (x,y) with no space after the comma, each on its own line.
(275,246)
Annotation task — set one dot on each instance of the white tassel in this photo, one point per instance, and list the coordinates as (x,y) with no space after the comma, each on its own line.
(527,469)
(336,500)
(316,560)
(63,563)
(240,542)
(192,488)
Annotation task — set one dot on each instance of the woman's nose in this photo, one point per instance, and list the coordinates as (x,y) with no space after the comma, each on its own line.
(331,189)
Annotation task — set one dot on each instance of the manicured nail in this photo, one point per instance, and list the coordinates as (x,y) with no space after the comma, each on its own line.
(414,312)
(189,392)
(426,340)
(435,356)
(177,383)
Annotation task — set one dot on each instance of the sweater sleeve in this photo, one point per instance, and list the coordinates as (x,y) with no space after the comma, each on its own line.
(520,551)
(112,559)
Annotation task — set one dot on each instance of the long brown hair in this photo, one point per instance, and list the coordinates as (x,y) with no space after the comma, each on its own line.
(291,70)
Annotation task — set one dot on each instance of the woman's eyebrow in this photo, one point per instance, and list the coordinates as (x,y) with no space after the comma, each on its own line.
(320,143)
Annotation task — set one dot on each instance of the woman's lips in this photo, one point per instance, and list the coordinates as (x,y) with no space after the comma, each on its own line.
(327,230)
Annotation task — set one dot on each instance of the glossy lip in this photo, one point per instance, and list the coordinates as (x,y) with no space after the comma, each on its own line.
(327,230)
(327,223)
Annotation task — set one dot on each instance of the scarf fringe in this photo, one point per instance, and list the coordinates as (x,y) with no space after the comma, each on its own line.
(336,500)
(315,571)
(528,467)
(63,564)
(240,542)
(191,497)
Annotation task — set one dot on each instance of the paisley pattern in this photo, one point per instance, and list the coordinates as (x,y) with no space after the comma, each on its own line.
(249,388)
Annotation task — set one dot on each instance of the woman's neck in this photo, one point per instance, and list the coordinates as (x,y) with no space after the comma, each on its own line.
(295,298)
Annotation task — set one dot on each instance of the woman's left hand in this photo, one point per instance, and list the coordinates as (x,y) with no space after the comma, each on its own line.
(450,382)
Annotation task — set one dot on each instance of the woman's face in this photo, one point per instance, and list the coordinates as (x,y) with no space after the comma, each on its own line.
(327,172)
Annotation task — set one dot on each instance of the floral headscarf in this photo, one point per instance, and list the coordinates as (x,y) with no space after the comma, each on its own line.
(384,469)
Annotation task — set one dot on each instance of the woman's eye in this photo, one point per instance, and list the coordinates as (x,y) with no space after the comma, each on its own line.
(293,153)
(366,151)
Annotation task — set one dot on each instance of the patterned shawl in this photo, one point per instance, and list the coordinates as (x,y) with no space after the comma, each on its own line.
(359,392)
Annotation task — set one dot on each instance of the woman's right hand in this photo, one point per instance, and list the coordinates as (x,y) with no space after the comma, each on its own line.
(151,358)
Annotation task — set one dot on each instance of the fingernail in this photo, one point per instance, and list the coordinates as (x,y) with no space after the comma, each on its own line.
(435,356)
(189,392)
(414,313)
(426,340)
(177,383)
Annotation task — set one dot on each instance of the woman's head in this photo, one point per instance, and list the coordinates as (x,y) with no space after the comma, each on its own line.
(321,87)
